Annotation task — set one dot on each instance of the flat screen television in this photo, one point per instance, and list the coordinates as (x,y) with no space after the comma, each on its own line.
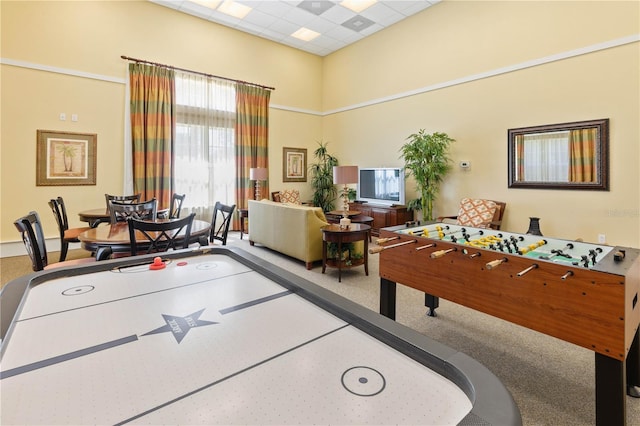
(382,185)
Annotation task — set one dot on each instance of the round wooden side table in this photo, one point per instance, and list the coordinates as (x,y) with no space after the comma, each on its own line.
(336,234)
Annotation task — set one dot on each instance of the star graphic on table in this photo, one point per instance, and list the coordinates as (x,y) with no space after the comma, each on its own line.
(180,326)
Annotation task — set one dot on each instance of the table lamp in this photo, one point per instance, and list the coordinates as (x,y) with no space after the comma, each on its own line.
(258,174)
(345,175)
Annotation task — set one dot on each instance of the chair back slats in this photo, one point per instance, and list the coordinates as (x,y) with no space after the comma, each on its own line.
(123,199)
(67,235)
(60,214)
(161,236)
(30,229)
(120,212)
(176,206)
(220,222)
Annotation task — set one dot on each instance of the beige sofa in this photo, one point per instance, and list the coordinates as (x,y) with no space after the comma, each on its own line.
(290,229)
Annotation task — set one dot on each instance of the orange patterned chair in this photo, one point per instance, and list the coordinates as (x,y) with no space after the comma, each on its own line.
(478,213)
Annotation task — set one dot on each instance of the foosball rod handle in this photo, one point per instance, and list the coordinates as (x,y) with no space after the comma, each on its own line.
(496,263)
(440,253)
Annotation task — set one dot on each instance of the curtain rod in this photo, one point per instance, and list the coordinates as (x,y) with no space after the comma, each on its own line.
(195,72)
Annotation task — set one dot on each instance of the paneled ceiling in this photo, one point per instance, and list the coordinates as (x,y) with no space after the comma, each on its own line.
(337,25)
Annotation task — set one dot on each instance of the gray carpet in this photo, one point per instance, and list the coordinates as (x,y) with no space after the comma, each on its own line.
(551,381)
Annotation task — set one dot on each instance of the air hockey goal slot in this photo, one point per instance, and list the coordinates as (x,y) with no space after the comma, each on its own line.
(143,266)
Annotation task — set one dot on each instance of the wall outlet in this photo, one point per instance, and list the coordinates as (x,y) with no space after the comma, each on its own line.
(63,116)
(602,239)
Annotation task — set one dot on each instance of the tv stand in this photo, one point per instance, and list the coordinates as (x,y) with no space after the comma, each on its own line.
(383,215)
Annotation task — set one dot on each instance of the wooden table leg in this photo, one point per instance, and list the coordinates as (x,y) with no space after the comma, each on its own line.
(366,253)
(324,255)
(340,259)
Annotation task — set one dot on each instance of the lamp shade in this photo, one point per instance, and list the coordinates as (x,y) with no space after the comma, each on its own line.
(258,173)
(345,174)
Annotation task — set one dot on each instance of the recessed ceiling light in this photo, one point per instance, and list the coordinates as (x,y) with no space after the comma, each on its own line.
(211,4)
(305,34)
(234,9)
(357,5)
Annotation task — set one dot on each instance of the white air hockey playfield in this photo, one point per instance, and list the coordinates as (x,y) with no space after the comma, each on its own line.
(218,336)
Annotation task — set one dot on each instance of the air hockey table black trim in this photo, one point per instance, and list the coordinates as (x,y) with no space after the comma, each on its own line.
(492,403)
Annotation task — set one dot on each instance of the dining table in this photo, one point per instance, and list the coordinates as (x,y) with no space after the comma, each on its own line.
(116,237)
(95,216)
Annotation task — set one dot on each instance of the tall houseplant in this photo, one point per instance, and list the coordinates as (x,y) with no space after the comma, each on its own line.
(324,191)
(426,159)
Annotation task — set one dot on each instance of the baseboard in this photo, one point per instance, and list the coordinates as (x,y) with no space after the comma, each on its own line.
(16,248)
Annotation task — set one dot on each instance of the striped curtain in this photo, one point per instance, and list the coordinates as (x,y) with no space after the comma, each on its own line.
(252,139)
(582,154)
(152,131)
(519,160)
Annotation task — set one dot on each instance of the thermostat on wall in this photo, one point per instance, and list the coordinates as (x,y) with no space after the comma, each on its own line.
(465,164)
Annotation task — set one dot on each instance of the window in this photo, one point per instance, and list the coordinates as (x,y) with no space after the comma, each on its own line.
(546,157)
(204,152)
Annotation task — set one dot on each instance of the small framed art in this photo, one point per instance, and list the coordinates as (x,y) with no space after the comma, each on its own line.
(294,165)
(65,158)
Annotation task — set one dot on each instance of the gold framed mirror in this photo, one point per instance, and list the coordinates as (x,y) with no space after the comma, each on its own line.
(560,156)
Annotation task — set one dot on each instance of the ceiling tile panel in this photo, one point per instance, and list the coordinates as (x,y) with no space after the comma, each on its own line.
(338,14)
(276,20)
(258,17)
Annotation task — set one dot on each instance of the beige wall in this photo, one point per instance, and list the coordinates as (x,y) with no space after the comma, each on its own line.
(448,41)
(90,37)
(460,40)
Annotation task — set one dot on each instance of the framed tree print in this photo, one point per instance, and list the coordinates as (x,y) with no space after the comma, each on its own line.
(65,158)
(294,165)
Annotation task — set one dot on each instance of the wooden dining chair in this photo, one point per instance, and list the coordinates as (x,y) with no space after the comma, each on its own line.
(146,210)
(160,236)
(176,205)
(30,228)
(220,227)
(124,199)
(67,235)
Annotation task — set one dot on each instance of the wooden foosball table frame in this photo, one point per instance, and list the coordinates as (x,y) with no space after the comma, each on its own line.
(594,306)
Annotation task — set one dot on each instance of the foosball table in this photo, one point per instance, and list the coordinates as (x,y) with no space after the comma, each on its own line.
(582,293)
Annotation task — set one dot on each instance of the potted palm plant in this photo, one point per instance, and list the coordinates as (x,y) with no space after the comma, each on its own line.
(324,191)
(426,159)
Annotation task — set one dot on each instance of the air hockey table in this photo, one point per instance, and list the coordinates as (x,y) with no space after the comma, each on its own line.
(218,336)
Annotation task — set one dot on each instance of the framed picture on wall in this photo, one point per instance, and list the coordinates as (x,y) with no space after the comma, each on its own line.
(65,158)
(294,164)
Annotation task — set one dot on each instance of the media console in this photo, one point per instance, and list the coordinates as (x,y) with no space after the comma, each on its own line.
(383,216)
